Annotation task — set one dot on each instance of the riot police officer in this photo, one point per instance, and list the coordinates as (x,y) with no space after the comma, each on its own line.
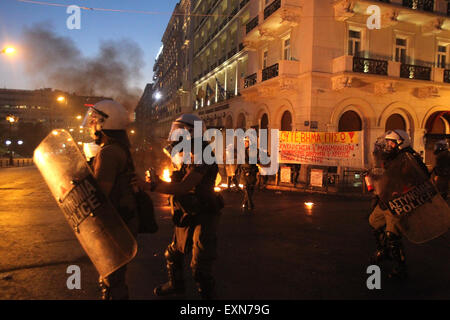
(196,210)
(113,167)
(385,225)
(247,174)
(441,171)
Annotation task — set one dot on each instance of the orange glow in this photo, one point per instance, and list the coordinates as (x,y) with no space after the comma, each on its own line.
(309,205)
(60,99)
(166,176)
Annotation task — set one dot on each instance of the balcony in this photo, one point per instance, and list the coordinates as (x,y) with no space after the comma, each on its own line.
(424,5)
(370,66)
(430,15)
(410,71)
(251,24)
(270,72)
(250,80)
(271,81)
(271,8)
(447,76)
(275,19)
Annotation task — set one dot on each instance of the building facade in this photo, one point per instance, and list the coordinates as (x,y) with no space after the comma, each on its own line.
(171,71)
(40,111)
(314,65)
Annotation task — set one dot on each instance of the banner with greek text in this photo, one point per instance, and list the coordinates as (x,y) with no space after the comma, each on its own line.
(322,148)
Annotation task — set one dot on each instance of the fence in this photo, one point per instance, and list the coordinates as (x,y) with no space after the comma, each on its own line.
(17,162)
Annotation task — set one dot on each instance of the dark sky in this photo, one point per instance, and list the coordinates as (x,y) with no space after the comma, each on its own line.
(145,28)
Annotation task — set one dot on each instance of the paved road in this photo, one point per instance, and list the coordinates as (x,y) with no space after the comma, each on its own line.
(283,251)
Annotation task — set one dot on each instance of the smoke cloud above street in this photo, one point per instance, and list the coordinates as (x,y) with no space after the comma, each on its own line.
(55,61)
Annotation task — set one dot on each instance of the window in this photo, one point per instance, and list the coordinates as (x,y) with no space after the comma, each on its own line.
(354,42)
(401,50)
(265,55)
(395,122)
(441,60)
(286,121)
(350,121)
(287,49)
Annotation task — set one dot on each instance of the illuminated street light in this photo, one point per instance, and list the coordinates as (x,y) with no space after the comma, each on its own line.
(132,132)
(158,95)
(20,142)
(79,117)
(8,142)
(8,50)
(11,119)
(61,99)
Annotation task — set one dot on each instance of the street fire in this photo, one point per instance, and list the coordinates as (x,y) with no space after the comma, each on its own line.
(309,205)
(166,175)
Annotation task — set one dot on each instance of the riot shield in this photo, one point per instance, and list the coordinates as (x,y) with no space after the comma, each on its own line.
(407,193)
(101,231)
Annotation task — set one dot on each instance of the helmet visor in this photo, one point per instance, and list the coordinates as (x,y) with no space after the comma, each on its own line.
(93,118)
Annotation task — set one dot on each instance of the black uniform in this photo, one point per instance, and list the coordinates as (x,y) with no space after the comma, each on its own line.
(113,164)
(196,217)
(386,232)
(247,173)
(441,172)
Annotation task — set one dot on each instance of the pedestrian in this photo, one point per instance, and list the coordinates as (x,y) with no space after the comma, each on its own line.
(295,172)
(247,173)
(113,168)
(441,170)
(386,226)
(196,211)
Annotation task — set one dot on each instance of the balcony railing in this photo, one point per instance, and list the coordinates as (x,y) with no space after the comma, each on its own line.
(271,8)
(232,52)
(410,71)
(447,76)
(251,25)
(250,80)
(270,72)
(370,66)
(424,5)
(243,3)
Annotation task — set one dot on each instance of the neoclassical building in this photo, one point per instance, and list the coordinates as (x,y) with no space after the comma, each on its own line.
(315,65)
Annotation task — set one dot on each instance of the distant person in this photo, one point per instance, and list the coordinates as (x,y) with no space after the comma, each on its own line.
(247,173)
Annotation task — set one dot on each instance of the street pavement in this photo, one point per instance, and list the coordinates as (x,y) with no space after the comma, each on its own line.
(282,251)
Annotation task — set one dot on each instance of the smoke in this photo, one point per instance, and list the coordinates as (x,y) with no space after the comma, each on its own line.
(55,61)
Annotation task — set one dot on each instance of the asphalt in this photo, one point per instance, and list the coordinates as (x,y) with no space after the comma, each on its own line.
(283,251)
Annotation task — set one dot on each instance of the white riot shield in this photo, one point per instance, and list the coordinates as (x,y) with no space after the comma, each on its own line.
(409,194)
(101,231)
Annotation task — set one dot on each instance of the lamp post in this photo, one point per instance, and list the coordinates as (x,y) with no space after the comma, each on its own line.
(11,119)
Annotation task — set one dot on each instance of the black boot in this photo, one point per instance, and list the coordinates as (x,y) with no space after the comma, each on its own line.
(381,252)
(205,285)
(175,285)
(396,252)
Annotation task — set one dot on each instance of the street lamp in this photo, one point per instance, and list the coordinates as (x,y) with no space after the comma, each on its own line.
(11,119)
(8,50)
